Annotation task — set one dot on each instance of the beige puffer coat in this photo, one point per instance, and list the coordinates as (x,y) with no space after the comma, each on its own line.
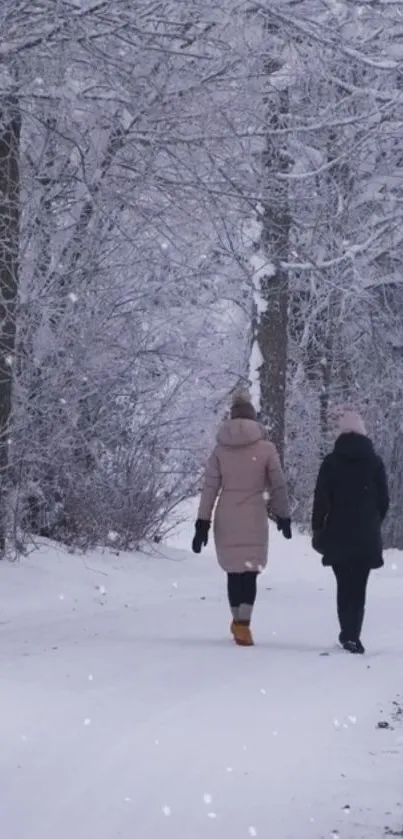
(242,466)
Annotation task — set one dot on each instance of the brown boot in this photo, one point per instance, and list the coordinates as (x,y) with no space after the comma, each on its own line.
(242,635)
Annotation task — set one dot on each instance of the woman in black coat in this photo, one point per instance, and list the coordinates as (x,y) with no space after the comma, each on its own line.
(350,504)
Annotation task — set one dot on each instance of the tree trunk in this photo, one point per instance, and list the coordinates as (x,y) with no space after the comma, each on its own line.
(336,380)
(271,332)
(10,130)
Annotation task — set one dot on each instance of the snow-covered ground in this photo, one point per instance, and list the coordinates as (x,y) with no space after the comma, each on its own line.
(127,713)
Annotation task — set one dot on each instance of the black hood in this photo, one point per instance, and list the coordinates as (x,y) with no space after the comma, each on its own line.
(354,446)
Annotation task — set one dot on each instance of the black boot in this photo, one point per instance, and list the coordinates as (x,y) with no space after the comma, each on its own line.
(354,647)
(360,621)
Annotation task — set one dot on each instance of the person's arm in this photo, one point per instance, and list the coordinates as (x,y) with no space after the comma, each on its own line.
(382,489)
(211,488)
(322,498)
(277,484)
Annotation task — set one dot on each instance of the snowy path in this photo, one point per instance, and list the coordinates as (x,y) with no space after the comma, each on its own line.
(130,714)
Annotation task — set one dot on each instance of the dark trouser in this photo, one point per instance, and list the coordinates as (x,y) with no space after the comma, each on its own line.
(351,592)
(242,590)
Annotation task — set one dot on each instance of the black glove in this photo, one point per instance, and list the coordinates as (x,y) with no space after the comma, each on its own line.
(285,526)
(201,535)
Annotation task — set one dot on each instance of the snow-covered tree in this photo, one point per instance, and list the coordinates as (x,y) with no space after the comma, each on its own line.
(189,183)
(127,256)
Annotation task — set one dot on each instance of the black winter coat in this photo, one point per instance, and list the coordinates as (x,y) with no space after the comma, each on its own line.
(351,502)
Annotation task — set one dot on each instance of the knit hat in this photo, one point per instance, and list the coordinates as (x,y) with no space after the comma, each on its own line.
(349,421)
(242,407)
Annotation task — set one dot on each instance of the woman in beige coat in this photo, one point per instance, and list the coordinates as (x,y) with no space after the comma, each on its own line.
(242,466)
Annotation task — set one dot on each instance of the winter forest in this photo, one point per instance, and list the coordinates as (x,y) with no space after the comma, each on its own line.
(193,196)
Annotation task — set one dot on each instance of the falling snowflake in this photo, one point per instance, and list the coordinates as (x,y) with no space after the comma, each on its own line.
(212,815)
(61,596)
(127,800)
(275,733)
(347,809)
(90,678)
(157,742)
(9,360)
(353,720)
(73,297)
(87,721)
(174,585)
(166,810)
(248,565)
(263,691)
(335,834)
(252,831)
(112,536)
(336,723)
(102,590)
(229,769)
(207,798)
(394,566)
